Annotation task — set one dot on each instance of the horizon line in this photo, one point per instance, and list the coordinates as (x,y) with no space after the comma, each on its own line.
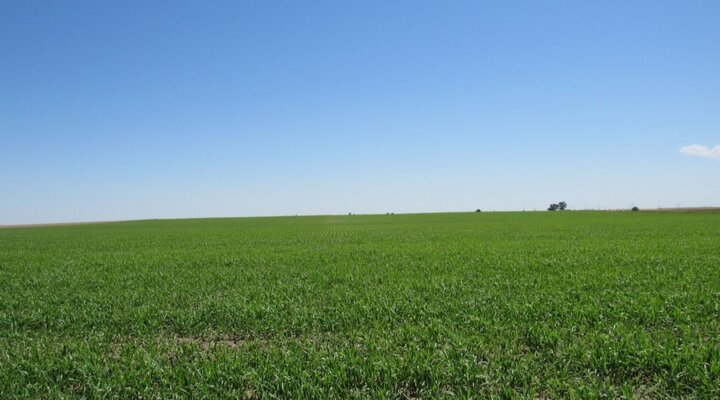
(110,221)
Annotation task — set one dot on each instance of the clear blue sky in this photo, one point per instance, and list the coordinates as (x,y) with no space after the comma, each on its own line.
(139,109)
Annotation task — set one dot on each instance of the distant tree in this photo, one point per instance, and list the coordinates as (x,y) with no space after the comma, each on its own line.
(561,206)
(635,209)
(478,210)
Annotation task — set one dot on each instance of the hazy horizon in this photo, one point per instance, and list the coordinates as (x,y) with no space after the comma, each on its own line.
(132,110)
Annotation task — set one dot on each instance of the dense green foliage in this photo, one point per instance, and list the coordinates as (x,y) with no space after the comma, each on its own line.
(506,305)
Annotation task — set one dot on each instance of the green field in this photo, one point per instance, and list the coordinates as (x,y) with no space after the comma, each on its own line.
(503,305)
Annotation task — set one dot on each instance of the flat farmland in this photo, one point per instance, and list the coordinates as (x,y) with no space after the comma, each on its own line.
(461,305)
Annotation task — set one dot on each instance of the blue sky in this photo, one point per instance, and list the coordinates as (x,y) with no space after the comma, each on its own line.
(137,109)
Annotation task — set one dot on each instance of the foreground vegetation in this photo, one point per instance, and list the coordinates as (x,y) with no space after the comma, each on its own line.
(506,305)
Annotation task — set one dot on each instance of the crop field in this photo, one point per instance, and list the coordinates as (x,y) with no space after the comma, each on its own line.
(535,305)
